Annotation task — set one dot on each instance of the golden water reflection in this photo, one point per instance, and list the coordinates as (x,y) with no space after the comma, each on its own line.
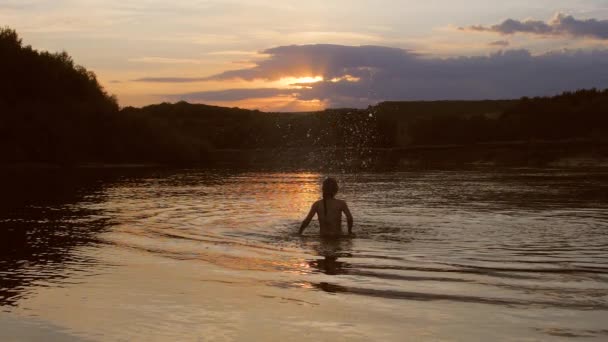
(187,255)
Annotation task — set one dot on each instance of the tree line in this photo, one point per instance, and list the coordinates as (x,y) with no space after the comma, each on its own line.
(582,114)
(55,111)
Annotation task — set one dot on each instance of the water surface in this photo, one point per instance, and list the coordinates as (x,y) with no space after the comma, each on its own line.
(212,255)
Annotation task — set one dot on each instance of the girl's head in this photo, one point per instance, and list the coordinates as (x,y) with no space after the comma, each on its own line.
(330,188)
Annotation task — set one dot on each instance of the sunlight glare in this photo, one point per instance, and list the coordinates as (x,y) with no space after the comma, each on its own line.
(300,81)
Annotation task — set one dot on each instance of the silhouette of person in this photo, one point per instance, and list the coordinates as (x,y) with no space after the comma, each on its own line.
(329,211)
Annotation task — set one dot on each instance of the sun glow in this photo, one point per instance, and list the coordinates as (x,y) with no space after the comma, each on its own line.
(300,81)
(309,79)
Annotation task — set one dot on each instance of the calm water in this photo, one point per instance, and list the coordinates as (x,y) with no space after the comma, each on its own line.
(210,255)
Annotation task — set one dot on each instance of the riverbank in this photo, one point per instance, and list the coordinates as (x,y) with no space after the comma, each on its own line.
(568,154)
(571,153)
(80,165)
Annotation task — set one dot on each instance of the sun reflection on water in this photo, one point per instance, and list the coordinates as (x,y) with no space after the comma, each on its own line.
(182,251)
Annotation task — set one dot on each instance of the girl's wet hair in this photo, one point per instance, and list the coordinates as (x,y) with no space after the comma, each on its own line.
(330,189)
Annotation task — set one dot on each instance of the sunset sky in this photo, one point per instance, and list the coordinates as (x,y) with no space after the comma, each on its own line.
(308,55)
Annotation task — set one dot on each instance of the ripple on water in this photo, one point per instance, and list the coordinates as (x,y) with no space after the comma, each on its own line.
(531,240)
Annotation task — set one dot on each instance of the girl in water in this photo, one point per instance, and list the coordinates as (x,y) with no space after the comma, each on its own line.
(329,211)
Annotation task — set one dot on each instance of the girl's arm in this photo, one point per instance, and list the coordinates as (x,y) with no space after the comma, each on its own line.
(308,218)
(349,218)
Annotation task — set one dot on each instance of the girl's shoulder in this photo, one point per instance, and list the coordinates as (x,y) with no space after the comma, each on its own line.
(343,204)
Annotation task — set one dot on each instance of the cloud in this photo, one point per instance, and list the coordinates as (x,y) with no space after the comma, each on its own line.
(170,79)
(164,60)
(232,53)
(16,4)
(330,61)
(502,43)
(233,94)
(560,25)
(356,76)
(327,60)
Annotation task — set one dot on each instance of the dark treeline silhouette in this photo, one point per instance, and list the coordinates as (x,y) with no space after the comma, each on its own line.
(234,128)
(572,115)
(579,115)
(54,111)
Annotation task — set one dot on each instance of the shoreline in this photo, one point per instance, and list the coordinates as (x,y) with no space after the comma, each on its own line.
(570,153)
(34,165)
(564,154)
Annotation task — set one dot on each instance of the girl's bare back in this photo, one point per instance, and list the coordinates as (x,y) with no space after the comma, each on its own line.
(329,211)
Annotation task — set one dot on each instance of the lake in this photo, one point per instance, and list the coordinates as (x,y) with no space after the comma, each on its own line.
(197,255)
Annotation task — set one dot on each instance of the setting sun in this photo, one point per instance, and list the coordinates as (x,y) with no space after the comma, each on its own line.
(299,81)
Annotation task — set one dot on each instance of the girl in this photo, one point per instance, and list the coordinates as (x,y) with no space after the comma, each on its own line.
(329,211)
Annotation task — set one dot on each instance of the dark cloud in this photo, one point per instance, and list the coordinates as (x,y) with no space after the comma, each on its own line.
(560,25)
(233,94)
(359,76)
(499,43)
(320,59)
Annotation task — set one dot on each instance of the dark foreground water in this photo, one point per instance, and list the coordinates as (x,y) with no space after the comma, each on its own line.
(211,255)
